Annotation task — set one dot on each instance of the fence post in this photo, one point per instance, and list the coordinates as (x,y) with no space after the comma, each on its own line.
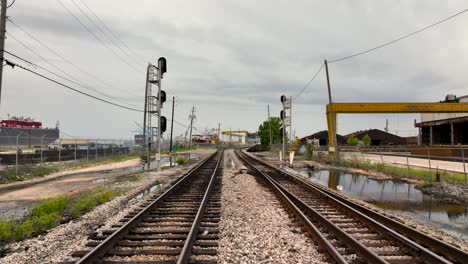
(407,161)
(381,157)
(17,150)
(75,150)
(429,156)
(87,152)
(60,150)
(42,146)
(95,146)
(463,159)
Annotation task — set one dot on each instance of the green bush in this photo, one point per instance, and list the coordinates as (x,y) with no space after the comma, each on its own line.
(181,160)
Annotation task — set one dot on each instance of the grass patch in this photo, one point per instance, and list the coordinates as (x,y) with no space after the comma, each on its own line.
(52,212)
(181,160)
(136,177)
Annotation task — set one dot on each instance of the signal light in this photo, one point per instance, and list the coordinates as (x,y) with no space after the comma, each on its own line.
(283,98)
(163,124)
(282,115)
(163,97)
(162,66)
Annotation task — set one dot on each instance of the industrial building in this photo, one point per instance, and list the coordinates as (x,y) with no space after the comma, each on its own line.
(444,128)
(321,138)
(379,137)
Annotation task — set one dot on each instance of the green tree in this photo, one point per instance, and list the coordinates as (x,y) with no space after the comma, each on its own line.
(366,140)
(264,131)
(352,140)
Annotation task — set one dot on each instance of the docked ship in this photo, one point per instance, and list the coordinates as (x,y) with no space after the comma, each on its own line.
(26,132)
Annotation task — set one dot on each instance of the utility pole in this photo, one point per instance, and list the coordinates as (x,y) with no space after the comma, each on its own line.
(192,116)
(145,139)
(269,124)
(290,119)
(332,117)
(2,40)
(219,135)
(172,124)
(284,133)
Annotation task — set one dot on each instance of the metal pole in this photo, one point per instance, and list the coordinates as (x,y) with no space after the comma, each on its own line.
(191,126)
(145,114)
(159,132)
(269,124)
(407,161)
(172,124)
(284,134)
(60,150)
(17,150)
(219,135)
(75,149)
(463,159)
(96,146)
(87,152)
(429,156)
(290,120)
(2,40)
(332,117)
(42,142)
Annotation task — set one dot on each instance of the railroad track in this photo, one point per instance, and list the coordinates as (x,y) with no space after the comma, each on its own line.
(349,232)
(179,226)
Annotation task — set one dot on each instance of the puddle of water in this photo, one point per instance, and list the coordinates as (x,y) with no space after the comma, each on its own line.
(398,196)
(101,180)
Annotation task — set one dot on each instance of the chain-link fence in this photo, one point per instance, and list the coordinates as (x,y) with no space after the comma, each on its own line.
(24,155)
(432,158)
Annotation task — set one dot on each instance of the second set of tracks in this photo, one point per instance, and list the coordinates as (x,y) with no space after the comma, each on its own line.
(349,232)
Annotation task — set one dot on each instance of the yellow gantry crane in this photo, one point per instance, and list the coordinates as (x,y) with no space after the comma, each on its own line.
(380,108)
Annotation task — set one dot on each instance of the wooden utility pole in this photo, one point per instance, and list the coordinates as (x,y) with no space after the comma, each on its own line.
(219,135)
(172,124)
(332,116)
(192,116)
(2,40)
(269,124)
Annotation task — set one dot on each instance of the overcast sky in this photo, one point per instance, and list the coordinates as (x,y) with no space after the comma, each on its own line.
(230,59)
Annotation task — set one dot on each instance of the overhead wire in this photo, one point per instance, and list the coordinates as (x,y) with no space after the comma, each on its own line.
(96,37)
(112,32)
(70,78)
(60,56)
(400,38)
(100,30)
(69,87)
(307,85)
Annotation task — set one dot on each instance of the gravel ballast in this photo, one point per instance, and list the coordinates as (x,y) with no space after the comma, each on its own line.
(254,227)
(59,243)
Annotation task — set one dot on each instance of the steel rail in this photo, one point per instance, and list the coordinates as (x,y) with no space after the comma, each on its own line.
(187,248)
(97,253)
(417,249)
(451,252)
(362,250)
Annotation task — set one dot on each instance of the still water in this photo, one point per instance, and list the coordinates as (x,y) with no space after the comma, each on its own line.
(398,196)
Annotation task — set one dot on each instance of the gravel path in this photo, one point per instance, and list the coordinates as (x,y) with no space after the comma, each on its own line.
(254,227)
(60,242)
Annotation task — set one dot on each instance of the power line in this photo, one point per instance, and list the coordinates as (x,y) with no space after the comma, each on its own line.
(60,56)
(99,28)
(112,32)
(96,37)
(400,38)
(69,87)
(73,79)
(307,85)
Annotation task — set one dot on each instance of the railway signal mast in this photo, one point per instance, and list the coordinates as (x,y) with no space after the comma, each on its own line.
(286,120)
(153,105)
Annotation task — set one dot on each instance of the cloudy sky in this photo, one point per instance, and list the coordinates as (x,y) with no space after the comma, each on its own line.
(230,59)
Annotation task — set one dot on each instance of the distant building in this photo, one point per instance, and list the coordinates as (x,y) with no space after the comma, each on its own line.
(444,128)
(379,137)
(322,138)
